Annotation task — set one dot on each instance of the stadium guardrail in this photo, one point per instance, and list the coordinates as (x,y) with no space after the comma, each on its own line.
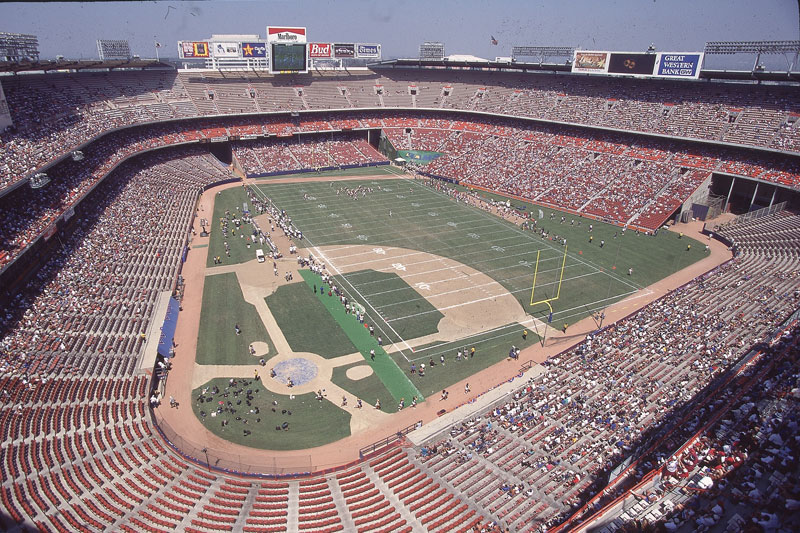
(380,445)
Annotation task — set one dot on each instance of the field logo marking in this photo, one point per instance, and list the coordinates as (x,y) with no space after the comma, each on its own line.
(399,266)
(423,286)
(361,237)
(498,249)
(379,251)
(322,206)
(452,224)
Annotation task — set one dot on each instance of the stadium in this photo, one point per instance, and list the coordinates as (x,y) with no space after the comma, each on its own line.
(282,285)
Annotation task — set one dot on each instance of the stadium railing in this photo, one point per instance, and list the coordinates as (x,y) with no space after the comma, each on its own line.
(380,445)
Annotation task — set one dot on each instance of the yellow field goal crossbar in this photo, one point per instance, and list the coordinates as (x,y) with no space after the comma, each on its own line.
(560,280)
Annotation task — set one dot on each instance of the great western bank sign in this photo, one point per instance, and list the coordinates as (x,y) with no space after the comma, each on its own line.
(678,65)
(285,34)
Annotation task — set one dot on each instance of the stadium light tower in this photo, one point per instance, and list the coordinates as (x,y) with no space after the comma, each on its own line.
(756,47)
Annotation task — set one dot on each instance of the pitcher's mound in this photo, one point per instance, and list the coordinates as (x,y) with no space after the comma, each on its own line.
(260,349)
(359,372)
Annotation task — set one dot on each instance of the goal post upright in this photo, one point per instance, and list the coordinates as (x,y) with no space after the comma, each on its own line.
(558,287)
(547,301)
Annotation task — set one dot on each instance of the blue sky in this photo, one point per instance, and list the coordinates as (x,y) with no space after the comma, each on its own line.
(70,29)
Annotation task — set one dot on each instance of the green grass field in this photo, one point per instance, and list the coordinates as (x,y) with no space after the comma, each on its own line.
(427,220)
(490,348)
(228,203)
(306,323)
(311,422)
(223,308)
(368,389)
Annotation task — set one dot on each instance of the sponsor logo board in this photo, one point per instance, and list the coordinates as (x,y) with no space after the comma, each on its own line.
(590,62)
(320,50)
(679,65)
(284,34)
(343,50)
(368,50)
(254,50)
(189,49)
(226,50)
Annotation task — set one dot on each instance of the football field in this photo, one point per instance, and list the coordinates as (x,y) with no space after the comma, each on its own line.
(415,258)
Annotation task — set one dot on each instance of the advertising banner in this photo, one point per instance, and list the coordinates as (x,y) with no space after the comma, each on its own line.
(193,49)
(283,34)
(368,51)
(254,50)
(590,62)
(226,50)
(631,63)
(320,50)
(341,50)
(679,65)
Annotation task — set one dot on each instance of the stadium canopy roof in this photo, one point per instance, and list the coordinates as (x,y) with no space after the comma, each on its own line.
(81,64)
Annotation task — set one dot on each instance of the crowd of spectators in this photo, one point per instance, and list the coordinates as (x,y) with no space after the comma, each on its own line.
(95,296)
(738,470)
(269,156)
(608,177)
(55,113)
(27,213)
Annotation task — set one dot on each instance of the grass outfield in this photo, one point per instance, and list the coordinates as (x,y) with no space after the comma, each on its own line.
(490,348)
(311,422)
(223,308)
(428,220)
(306,323)
(368,389)
(229,200)
(363,171)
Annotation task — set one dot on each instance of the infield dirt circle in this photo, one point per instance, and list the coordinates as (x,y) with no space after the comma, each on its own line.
(359,372)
